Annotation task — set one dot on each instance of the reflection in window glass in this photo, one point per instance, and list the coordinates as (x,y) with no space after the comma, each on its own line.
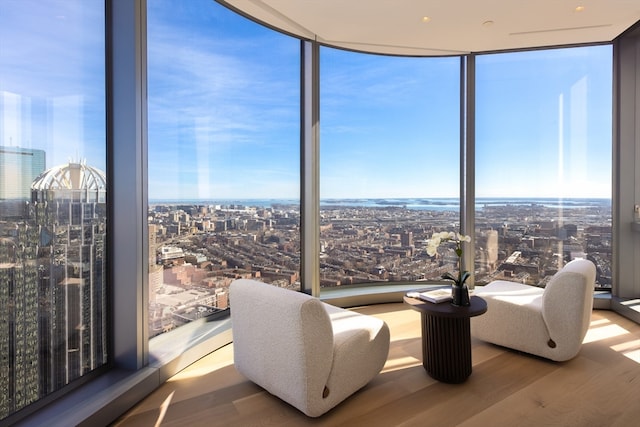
(224,175)
(389,166)
(543,165)
(53,326)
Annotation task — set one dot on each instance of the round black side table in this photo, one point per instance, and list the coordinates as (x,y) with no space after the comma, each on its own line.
(446,337)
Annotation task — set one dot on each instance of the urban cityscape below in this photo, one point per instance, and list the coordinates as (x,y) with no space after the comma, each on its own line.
(198,247)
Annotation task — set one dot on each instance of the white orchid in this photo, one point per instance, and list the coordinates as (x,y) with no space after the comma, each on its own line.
(444,236)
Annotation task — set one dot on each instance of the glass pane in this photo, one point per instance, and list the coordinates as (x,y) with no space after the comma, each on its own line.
(543,163)
(389,166)
(53,215)
(224,176)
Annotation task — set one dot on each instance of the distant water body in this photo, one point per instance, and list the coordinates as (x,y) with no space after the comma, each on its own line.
(434,204)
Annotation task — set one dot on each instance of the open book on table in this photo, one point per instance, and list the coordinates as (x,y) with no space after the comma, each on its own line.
(435,296)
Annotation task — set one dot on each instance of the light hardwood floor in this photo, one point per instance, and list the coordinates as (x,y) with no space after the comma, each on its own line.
(600,387)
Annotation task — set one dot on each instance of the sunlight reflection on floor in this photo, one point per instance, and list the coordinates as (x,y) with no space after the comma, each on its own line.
(163,409)
(603,329)
(630,349)
(398,363)
(604,332)
(217,360)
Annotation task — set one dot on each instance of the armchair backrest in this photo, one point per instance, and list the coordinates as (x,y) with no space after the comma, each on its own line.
(282,338)
(567,304)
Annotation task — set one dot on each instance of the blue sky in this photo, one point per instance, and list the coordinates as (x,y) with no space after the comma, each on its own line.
(223,105)
(544,122)
(52,79)
(224,109)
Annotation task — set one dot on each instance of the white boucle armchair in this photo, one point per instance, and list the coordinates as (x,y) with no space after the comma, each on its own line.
(550,322)
(308,353)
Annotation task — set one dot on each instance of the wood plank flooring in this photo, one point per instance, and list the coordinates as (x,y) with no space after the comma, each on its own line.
(600,387)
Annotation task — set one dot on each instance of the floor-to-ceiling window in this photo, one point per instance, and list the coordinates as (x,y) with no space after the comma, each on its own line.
(53,216)
(389,166)
(543,163)
(224,172)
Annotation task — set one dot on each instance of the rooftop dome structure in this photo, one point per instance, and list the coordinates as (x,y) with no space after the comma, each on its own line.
(72,176)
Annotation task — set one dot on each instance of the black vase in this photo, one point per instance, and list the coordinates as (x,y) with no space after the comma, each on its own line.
(460,295)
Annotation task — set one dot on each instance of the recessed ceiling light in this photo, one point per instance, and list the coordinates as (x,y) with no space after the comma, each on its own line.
(426,19)
(579,8)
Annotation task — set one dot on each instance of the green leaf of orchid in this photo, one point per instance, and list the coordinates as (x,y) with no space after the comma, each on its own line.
(464,277)
(448,276)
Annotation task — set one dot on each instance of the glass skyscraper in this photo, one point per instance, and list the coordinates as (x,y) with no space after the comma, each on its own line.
(18,168)
(52,270)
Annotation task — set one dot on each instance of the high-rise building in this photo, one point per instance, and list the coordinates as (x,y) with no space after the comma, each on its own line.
(155,269)
(53,277)
(18,168)
(406,238)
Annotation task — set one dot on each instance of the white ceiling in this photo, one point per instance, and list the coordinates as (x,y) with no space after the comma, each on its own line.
(454,26)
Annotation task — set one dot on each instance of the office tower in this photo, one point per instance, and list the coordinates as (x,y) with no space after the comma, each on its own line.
(18,168)
(155,282)
(155,269)
(53,326)
(19,306)
(406,238)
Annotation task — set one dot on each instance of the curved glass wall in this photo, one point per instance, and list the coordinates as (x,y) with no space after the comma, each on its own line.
(543,163)
(224,162)
(224,174)
(53,213)
(389,162)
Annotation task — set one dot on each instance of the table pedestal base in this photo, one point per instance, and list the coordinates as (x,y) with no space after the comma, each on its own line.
(446,348)
(446,337)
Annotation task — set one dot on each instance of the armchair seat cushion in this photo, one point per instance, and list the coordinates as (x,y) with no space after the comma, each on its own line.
(514,318)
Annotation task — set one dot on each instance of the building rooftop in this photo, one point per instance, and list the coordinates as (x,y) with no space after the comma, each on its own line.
(72,176)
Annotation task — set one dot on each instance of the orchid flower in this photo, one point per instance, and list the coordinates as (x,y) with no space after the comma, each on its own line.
(443,236)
